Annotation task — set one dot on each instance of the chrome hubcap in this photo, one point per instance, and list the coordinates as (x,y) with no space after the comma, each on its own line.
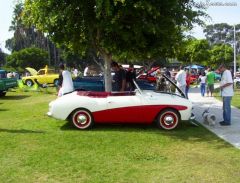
(82,119)
(169,120)
(29,83)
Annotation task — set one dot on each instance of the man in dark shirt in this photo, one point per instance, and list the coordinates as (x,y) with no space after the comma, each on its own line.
(119,79)
(130,76)
(167,72)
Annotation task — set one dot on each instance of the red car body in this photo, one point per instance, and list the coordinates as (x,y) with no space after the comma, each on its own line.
(150,76)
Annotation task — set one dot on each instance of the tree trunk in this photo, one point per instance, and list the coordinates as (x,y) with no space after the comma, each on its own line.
(107,72)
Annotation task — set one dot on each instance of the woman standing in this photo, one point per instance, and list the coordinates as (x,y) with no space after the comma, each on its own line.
(188,82)
(202,79)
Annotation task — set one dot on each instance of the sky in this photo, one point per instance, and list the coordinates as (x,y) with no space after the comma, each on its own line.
(220,11)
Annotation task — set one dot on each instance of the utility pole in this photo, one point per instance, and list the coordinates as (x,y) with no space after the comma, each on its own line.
(234,47)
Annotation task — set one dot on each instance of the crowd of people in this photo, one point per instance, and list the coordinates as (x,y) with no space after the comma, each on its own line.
(206,80)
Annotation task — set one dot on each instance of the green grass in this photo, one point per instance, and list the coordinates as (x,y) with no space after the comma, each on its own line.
(36,148)
(235,100)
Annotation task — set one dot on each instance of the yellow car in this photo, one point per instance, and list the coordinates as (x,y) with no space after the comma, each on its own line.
(43,76)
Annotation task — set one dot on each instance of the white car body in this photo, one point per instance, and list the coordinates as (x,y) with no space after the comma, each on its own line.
(122,107)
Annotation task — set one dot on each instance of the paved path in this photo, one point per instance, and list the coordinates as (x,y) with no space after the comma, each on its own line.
(231,133)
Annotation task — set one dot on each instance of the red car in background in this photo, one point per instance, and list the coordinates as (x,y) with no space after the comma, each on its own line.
(193,78)
(150,75)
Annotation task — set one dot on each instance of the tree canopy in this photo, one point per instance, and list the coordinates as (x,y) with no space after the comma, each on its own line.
(28,57)
(221,53)
(223,33)
(194,51)
(136,29)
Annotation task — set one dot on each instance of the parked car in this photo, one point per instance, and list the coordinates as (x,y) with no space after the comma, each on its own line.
(43,76)
(97,84)
(6,83)
(237,82)
(149,76)
(85,108)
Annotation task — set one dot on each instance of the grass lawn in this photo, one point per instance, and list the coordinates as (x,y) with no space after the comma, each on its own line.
(36,148)
(235,100)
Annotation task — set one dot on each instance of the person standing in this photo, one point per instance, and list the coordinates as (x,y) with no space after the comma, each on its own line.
(85,72)
(188,82)
(226,87)
(119,78)
(130,76)
(181,79)
(202,79)
(75,72)
(210,82)
(167,72)
(65,81)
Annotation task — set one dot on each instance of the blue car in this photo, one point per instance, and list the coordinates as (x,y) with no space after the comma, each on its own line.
(97,84)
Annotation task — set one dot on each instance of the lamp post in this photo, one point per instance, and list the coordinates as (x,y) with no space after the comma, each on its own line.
(234,47)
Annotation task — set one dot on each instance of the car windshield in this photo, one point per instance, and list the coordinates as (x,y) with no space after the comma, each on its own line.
(164,85)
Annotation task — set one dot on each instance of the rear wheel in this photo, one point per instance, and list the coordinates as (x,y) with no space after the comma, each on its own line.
(168,119)
(29,82)
(82,119)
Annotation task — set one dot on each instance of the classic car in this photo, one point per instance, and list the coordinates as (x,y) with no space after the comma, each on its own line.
(6,83)
(150,76)
(85,108)
(237,82)
(43,76)
(97,84)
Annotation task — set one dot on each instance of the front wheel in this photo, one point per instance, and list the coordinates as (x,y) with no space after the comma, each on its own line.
(168,119)
(82,119)
(29,82)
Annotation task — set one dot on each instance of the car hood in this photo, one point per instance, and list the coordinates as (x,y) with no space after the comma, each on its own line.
(32,71)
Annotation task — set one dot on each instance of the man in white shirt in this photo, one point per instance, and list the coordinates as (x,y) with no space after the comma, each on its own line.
(85,72)
(226,87)
(181,79)
(75,72)
(65,81)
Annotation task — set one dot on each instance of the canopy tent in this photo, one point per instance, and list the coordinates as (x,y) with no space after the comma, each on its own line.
(194,67)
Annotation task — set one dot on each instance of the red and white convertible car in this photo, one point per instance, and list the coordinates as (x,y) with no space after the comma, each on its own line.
(84,108)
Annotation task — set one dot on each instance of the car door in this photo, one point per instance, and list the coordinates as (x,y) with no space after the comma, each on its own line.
(124,108)
(41,76)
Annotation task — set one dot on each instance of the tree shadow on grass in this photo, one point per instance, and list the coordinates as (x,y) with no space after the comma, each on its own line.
(2,110)
(16,97)
(185,132)
(20,131)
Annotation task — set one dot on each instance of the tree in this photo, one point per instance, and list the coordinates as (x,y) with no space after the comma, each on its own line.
(222,33)
(2,57)
(28,36)
(139,29)
(28,57)
(221,53)
(194,51)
